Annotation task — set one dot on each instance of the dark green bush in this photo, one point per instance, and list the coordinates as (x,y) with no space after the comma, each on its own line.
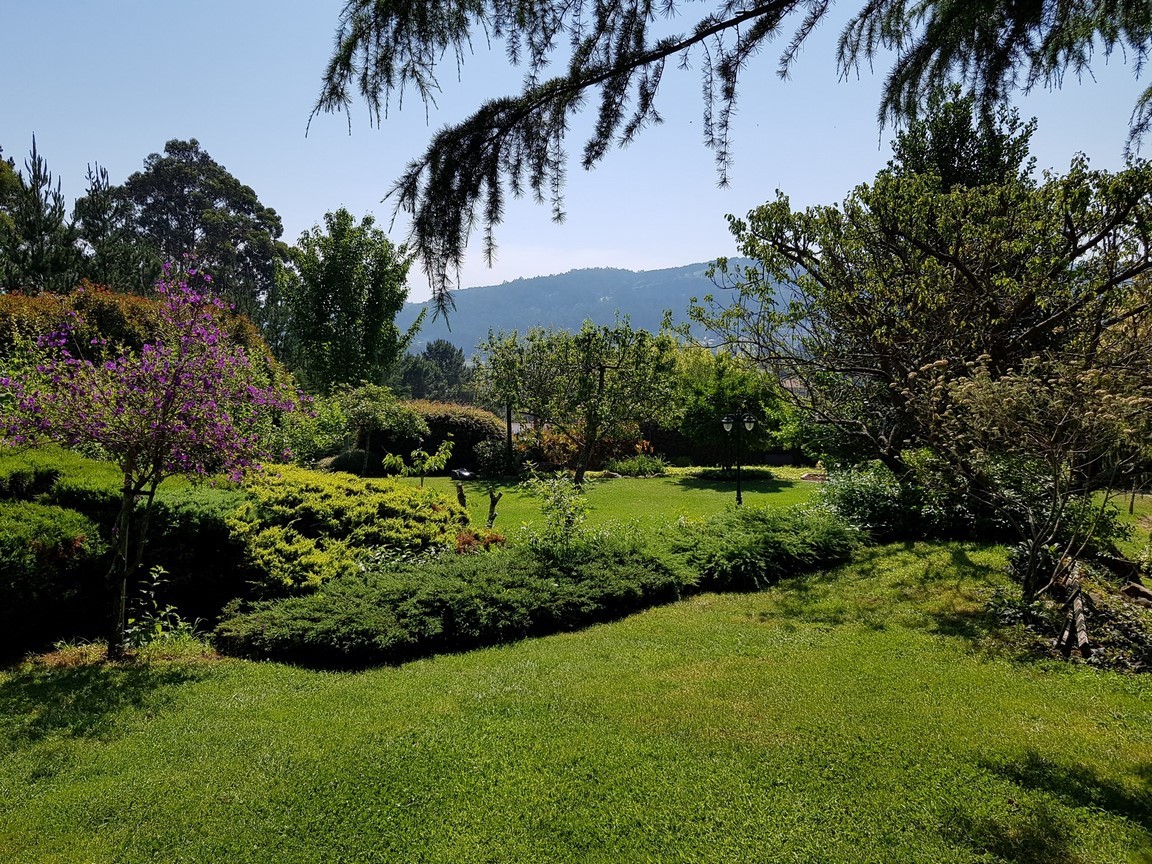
(466,426)
(453,603)
(51,573)
(748,548)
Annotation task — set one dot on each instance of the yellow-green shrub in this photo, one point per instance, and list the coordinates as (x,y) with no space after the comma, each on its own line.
(301,528)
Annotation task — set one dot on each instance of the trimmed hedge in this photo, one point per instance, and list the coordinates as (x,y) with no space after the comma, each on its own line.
(453,603)
(302,528)
(749,548)
(467,426)
(51,573)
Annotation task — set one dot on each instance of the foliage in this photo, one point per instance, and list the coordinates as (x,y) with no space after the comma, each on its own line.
(302,528)
(439,372)
(379,421)
(317,430)
(996,326)
(749,548)
(37,243)
(564,510)
(616,53)
(51,557)
(640,465)
(714,384)
(466,426)
(888,508)
(149,621)
(588,386)
(114,253)
(188,403)
(185,203)
(351,283)
(452,603)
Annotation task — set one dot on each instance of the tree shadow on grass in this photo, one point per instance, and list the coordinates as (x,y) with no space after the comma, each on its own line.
(1038,830)
(83,701)
(1035,834)
(727,485)
(1082,786)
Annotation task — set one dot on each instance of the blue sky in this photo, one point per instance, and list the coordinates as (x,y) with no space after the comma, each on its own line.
(111,82)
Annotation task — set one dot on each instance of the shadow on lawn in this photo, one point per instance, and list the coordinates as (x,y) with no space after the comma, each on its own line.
(1036,830)
(82,701)
(727,485)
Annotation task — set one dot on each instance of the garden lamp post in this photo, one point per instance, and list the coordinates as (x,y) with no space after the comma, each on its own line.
(735,422)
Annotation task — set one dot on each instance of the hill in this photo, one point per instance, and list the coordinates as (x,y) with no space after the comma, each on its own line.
(565,301)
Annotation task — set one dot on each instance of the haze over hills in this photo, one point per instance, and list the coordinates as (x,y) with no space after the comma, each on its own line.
(564,301)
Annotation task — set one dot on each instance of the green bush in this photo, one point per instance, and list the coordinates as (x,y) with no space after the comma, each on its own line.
(51,573)
(379,422)
(452,603)
(640,465)
(748,548)
(301,528)
(466,426)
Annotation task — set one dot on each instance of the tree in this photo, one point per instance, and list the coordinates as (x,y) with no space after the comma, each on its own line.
(185,203)
(917,305)
(712,384)
(188,402)
(114,255)
(37,244)
(439,372)
(587,386)
(619,53)
(341,311)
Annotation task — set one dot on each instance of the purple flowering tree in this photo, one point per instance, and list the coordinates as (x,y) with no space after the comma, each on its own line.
(188,402)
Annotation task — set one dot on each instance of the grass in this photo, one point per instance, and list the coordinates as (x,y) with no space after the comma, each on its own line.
(870,714)
(646,500)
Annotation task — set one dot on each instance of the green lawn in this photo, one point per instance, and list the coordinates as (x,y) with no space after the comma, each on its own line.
(865,715)
(648,500)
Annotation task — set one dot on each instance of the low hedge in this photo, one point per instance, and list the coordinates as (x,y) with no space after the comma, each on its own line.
(749,548)
(301,528)
(51,574)
(455,603)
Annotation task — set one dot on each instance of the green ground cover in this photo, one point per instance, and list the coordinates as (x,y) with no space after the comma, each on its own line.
(866,714)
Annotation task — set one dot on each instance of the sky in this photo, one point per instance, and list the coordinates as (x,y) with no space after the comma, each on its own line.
(111,82)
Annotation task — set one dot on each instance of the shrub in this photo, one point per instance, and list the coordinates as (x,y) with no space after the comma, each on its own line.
(319,429)
(451,603)
(748,548)
(872,499)
(301,528)
(640,465)
(379,422)
(466,426)
(51,574)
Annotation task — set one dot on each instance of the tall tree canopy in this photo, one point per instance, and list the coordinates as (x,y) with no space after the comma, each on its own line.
(184,202)
(619,52)
(342,307)
(37,242)
(997,327)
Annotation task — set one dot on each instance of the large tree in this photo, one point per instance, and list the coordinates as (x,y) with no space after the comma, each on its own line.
(617,53)
(114,254)
(987,323)
(351,281)
(185,203)
(38,251)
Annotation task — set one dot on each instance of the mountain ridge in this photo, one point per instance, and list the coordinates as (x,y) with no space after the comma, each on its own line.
(563,300)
